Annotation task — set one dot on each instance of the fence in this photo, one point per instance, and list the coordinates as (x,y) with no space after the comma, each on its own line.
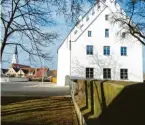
(73,87)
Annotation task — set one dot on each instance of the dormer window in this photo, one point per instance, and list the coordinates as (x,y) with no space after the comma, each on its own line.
(82,26)
(75,32)
(93,12)
(98,6)
(87,18)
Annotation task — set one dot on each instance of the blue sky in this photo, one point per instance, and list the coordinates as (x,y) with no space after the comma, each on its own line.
(62,28)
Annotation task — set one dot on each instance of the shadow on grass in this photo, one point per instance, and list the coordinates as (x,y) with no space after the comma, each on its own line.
(13,99)
(128,108)
(19,123)
(37,111)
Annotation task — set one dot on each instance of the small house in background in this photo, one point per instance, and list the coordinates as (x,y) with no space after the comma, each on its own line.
(12,72)
(3,72)
(22,72)
(41,73)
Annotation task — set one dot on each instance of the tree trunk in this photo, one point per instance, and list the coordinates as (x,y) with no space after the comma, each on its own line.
(3,46)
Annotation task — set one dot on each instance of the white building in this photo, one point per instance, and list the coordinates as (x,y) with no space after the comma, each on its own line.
(92,50)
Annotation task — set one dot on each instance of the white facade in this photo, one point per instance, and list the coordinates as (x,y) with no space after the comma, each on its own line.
(74,61)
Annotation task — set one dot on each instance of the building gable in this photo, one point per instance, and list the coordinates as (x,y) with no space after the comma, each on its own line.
(83,24)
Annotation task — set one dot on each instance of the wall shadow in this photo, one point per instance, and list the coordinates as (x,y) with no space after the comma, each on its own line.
(86,99)
(89,101)
(90,96)
(128,108)
(103,99)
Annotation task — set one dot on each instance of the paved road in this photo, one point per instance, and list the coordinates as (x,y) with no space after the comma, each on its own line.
(33,89)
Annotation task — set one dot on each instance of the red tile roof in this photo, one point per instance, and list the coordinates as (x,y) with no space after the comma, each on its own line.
(14,65)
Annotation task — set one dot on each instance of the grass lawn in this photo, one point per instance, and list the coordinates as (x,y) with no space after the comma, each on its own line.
(22,110)
(113,103)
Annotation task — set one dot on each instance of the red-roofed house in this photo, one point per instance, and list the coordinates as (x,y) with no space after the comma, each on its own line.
(41,72)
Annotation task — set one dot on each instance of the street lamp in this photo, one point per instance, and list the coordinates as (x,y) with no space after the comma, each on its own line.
(42,71)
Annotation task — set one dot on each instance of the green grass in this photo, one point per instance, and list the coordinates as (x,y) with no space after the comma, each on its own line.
(37,111)
(104,99)
(111,90)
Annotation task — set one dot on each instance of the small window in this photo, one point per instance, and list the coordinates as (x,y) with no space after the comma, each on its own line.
(123,51)
(93,12)
(106,73)
(107,50)
(89,33)
(98,6)
(82,26)
(75,32)
(87,18)
(106,33)
(106,17)
(123,35)
(89,73)
(89,50)
(124,74)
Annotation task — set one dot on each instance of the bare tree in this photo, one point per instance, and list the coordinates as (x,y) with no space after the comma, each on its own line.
(25,19)
(131,18)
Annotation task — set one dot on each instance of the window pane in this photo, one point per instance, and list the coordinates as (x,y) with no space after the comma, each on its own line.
(89,50)
(106,32)
(123,51)
(107,73)
(106,50)
(89,33)
(87,69)
(106,17)
(123,73)
(89,72)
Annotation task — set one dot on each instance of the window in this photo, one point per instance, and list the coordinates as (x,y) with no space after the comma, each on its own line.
(106,73)
(98,5)
(89,33)
(123,51)
(87,18)
(107,50)
(89,50)
(82,26)
(75,32)
(106,17)
(123,73)
(123,35)
(89,73)
(93,12)
(106,33)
